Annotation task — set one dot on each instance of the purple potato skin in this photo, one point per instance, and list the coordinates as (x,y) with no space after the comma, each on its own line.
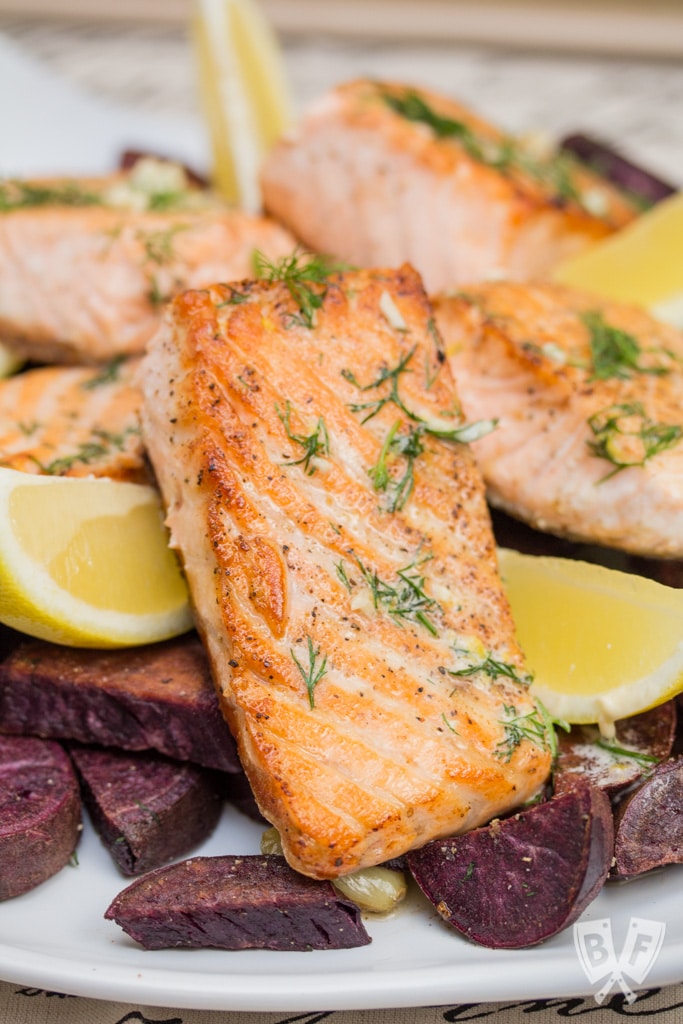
(651,733)
(623,173)
(236,902)
(649,823)
(146,808)
(158,696)
(521,880)
(40,812)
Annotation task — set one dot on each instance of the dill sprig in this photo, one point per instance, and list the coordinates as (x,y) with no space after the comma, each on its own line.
(109,374)
(385,374)
(537,726)
(616,353)
(505,154)
(644,760)
(88,451)
(491,667)
(626,436)
(15,195)
(315,444)
(299,272)
(314,673)
(406,600)
(402,445)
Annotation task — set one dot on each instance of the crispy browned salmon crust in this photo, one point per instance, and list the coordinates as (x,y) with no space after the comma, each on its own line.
(84,283)
(74,421)
(378,173)
(589,396)
(341,563)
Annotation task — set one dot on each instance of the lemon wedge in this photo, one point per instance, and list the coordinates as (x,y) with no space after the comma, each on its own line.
(641,264)
(86,562)
(602,644)
(244,91)
(10,362)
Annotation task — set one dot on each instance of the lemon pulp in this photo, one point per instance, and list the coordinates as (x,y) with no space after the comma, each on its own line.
(244,92)
(602,644)
(87,562)
(641,264)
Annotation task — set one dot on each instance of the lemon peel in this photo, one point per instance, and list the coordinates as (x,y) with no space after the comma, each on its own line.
(244,91)
(86,562)
(602,644)
(641,264)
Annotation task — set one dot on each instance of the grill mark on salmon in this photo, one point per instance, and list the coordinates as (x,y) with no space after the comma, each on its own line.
(82,284)
(523,353)
(358,740)
(73,421)
(362,181)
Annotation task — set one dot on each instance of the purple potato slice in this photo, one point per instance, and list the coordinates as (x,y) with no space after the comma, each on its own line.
(520,880)
(236,902)
(40,812)
(649,823)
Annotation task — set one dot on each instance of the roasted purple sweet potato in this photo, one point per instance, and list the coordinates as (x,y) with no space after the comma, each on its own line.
(649,823)
(157,697)
(40,812)
(147,809)
(640,742)
(232,902)
(521,880)
(622,172)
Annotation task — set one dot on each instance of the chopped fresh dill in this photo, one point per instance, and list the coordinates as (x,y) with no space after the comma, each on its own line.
(236,298)
(405,600)
(315,445)
(158,245)
(635,755)
(493,668)
(537,726)
(88,451)
(385,374)
(616,353)
(506,154)
(314,673)
(469,871)
(626,436)
(109,374)
(448,723)
(17,194)
(300,271)
(406,445)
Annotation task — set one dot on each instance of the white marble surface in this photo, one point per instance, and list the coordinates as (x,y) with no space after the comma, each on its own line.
(635,103)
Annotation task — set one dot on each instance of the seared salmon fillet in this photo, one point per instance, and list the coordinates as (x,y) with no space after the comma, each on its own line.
(380,173)
(589,397)
(74,421)
(305,435)
(87,266)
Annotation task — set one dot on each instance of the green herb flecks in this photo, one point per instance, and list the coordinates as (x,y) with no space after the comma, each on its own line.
(314,673)
(158,245)
(644,760)
(386,374)
(397,445)
(315,445)
(618,354)
(89,451)
(306,278)
(625,436)
(237,298)
(537,726)
(109,374)
(505,154)
(16,195)
(493,668)
(405,600)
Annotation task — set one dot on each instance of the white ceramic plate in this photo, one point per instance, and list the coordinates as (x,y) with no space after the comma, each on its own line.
(56,938)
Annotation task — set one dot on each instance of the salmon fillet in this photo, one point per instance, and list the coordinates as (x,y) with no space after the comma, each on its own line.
(86,267)
(380,173)
(589,396)
(341,562)
(74,421)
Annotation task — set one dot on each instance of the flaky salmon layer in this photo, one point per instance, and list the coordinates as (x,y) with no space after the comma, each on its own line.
(589,397)
(378,173)
(341,563)
(84,283)
(74,421)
